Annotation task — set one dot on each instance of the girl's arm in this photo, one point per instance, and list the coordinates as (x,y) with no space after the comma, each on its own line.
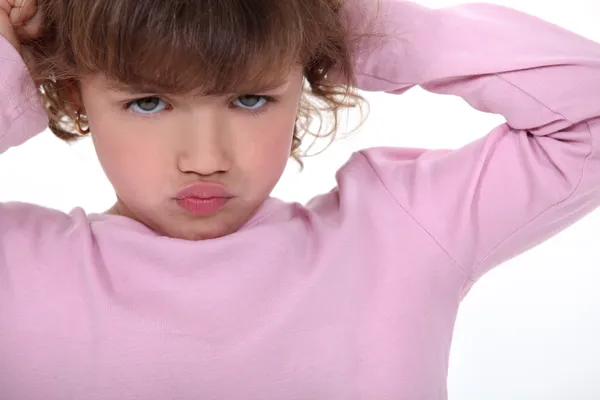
(24,228)
(21,113)
(527,179)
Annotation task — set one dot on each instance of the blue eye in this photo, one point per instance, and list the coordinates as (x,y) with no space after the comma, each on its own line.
(252,102)
(147,105)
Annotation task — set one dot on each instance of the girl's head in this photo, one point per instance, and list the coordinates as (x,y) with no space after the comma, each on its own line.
(183,91)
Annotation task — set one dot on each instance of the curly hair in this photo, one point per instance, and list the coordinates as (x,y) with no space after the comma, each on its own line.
(209,47)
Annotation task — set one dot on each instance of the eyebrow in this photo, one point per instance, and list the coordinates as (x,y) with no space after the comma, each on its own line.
(118,86)
(273,86)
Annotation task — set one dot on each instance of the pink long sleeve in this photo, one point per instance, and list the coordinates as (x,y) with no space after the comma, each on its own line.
(527,179)
(21,112)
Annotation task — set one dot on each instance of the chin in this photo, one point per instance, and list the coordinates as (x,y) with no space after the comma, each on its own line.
(195,230)
(197,236)
(187,227)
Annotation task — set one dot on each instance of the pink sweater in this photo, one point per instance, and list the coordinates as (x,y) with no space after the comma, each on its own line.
(353,296)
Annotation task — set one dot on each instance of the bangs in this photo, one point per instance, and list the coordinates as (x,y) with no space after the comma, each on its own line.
(205,47)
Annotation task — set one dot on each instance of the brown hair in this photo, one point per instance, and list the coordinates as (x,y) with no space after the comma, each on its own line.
(209,47)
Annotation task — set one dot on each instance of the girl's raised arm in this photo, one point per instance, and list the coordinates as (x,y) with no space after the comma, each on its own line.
(21,112)
(527,179)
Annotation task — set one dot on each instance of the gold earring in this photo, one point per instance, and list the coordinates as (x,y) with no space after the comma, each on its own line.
(78,124)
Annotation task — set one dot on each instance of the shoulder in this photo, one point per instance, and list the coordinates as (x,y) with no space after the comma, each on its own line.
(367,184)
(32,228)
(17,214)
(385,166)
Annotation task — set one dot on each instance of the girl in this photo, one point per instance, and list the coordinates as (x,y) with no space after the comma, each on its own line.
(197,284)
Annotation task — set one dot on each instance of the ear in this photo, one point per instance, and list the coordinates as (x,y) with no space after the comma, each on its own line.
(73,94)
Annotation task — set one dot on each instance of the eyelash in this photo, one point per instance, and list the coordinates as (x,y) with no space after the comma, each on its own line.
(255,113)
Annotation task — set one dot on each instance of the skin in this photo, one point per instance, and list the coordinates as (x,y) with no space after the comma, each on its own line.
(19,21)
(151,149)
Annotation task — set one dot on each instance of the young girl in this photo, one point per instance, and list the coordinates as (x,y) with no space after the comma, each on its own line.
(197,284)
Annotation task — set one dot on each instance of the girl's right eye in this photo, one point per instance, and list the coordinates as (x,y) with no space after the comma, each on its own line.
(147,105)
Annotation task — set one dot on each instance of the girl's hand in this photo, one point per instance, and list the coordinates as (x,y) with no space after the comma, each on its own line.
(20,20)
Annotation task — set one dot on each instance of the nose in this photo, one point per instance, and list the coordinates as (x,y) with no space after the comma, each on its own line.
(204,144)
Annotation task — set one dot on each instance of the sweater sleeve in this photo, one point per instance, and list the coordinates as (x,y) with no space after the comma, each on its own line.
(24,228)
(527,179)
(21,113)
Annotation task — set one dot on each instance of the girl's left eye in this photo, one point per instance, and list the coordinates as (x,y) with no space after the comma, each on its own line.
(252,102)
(147,105)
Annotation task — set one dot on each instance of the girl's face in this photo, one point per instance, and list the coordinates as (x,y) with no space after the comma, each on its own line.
(152,147)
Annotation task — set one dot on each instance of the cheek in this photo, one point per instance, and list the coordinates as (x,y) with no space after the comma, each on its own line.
(269,149)
(125,156)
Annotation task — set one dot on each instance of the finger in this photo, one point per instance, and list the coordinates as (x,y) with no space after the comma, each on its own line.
(22,11)
(5,6)
(31,29)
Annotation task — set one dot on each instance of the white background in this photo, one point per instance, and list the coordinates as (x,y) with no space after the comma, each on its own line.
(528,330)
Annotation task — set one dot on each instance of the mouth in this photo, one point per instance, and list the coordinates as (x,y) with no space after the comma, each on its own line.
(203,206)
(203,198)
